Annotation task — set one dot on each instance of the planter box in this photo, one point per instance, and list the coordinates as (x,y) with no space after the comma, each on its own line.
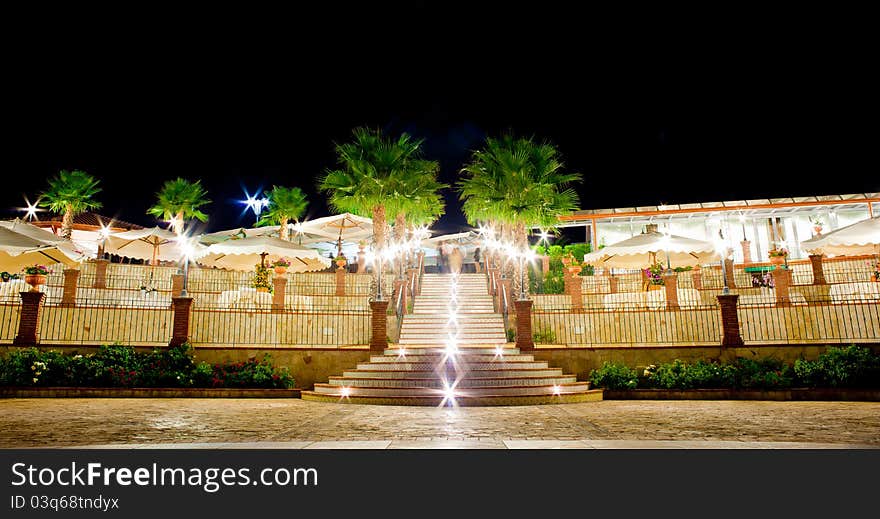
(796,394)
(144,392)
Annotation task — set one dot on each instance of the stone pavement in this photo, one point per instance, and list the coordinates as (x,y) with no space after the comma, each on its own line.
(255,423)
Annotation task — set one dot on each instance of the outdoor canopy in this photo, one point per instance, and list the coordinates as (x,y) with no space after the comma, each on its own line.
(644,249)
(860,238)
(147,244)
(245,253)
(69,248)
(18,251)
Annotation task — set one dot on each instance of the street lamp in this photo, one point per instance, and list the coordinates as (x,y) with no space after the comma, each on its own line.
(186,250)
(722,251)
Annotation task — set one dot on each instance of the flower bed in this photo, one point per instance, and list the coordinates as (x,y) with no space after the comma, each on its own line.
(122,366)
(851,367)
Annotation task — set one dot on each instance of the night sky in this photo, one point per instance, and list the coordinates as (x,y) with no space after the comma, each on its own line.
(648,119)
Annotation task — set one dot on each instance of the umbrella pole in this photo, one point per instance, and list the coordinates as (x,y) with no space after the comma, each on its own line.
(263,259)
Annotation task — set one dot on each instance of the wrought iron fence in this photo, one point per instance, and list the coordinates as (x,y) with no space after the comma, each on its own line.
(258,326)
(9,317)
(627,326)
(855,319)
(101,321)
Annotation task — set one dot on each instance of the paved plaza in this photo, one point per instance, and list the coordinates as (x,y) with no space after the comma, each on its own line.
(254,423)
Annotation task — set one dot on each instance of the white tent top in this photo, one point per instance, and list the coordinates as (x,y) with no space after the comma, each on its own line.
(245,253)
(18,251)
(46,237)
(346,225)
(643,249)
(147,244)
(860,238)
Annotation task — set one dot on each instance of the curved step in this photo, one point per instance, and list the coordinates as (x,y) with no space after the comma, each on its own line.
(466,357)
(441,351)
(465,383)
(426,374)
(593,395)
(471,366)
(334,390)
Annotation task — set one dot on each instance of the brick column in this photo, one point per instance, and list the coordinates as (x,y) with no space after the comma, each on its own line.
(378,326)
(670,283)
(340,281)
(176,285)
(697,277)
(100,273)
(818,269)
(747,251)
(612,284)
(411,275)
(574,290)
(29,319)
(728,271)
(71,279)
(524,339)
(180,330)
(279,293)
(730,334)
(782,285)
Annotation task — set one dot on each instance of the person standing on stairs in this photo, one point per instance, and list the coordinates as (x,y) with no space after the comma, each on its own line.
(456,258)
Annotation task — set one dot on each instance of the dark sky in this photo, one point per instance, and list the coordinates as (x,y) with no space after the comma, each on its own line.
(648,117)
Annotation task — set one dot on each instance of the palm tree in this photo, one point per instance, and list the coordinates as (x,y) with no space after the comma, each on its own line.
(520,184)
(179,200)
(70,193)
(285,203)
(373,173)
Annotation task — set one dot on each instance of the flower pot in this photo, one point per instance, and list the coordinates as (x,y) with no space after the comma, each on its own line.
(777,260)
(574,270)
(817,230)
(340,263)
(874,278)
(655,287)
(35,280)
(263,289)
(280,270)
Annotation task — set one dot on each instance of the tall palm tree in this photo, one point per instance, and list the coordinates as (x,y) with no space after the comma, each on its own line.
(179,200)
(519,183)
(70,193)
(285,204)
(372,176)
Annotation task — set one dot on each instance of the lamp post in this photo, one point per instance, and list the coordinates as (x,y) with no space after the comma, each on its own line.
(186,248)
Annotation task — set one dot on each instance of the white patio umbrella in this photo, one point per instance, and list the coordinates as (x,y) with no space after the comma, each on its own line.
(245,253)
(18,251)
(857,239)
(340,227)
(652,247)
(66,246)
(148,244)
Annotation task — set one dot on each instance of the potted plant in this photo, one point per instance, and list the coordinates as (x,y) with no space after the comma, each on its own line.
(261,279)
(281,266)
(35,275)
(777,256)
(340,261)
(654,276)
(875,274)
(817,224)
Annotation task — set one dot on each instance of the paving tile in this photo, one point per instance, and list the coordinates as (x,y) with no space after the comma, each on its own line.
(372,445)
(448,444)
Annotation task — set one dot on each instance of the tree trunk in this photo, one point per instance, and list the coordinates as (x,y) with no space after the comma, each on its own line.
(283,232)
(400,235)
(67,223)
(178,223)
(520,243)
(378,244)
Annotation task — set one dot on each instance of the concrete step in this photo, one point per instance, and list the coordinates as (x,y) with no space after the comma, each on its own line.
(335,390)
(456,334)
(467,357)
(592,395)
(415,350)
(428,366)
(487,373)
(465,383)
(461,342)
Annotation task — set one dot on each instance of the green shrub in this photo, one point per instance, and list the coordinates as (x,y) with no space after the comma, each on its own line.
(613,375)
(545,336)
(765,373)
(840,367)
(511,335)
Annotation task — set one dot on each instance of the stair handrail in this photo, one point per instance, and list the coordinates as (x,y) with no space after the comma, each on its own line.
(503,306)
(399,310)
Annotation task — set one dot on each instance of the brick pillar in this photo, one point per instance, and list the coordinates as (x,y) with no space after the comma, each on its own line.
(411,275)
(176,285)
(100,273)
(728,271)
(670,283)
(279,293)
(29,319)
(340,281)
(524,339)
(782,285)
(180,330)
(818,269)
(730,334)
(71,278)
(378,326)
(612,284)
(574,289)
(697,277)
(747,251)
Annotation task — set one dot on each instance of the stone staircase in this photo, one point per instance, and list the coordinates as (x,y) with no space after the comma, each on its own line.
(453,351)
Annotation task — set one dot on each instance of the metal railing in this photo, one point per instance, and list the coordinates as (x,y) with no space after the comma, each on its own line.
(266,328)
(855,319)
(98,321)
(9,317)
(627,326)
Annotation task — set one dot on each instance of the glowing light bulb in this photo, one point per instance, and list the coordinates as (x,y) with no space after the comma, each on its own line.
(557,390)
(344,392)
